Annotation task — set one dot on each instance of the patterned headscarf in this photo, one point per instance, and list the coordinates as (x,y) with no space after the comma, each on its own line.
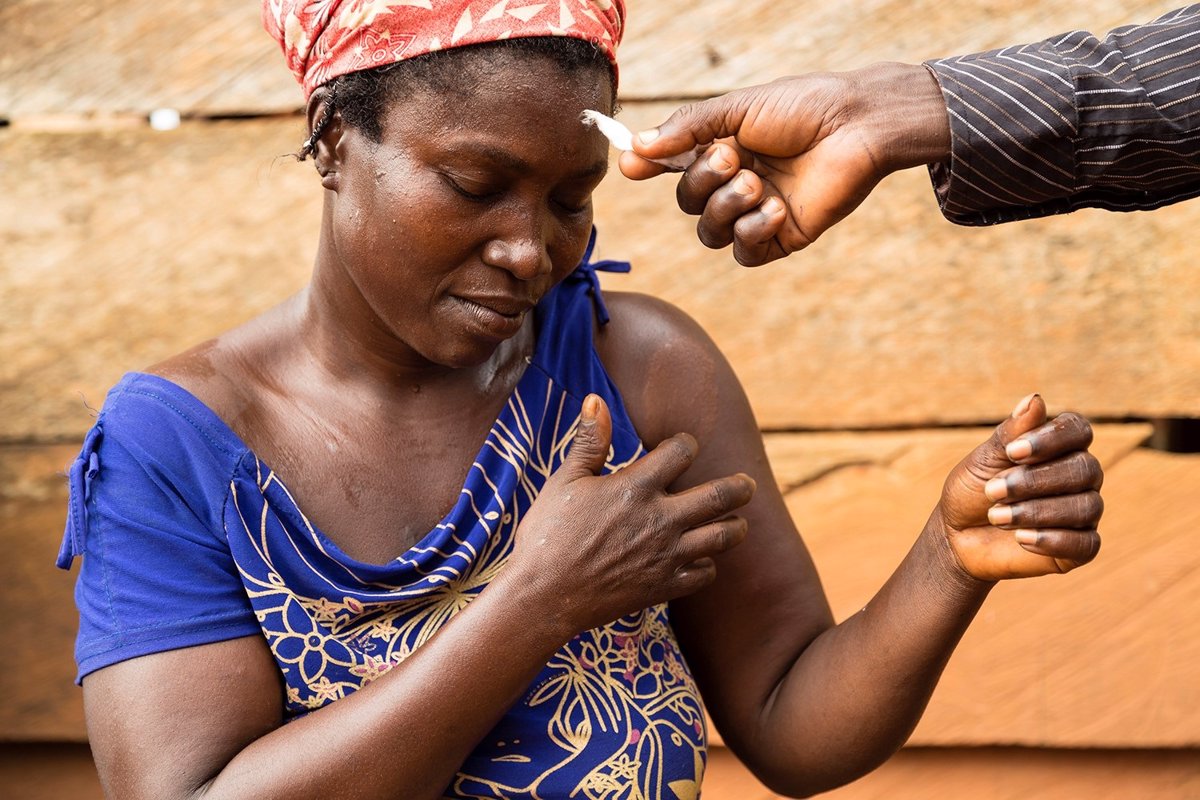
(322,39)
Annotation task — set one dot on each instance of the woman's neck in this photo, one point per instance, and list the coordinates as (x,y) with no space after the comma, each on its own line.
(347,341)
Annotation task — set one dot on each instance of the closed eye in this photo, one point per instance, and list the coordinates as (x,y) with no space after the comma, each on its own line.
(470,192)
(575,208)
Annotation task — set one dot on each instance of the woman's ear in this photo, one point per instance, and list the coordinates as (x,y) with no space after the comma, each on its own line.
(326,122)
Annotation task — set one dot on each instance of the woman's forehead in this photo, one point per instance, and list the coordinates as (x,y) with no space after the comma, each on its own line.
(513,74)
(515,94)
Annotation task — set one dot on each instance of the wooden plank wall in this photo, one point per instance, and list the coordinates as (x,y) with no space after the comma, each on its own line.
(863,356)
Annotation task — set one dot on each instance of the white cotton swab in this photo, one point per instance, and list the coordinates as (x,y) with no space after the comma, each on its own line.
(622,139)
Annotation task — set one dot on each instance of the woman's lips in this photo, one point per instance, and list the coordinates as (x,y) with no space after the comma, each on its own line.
(499,317)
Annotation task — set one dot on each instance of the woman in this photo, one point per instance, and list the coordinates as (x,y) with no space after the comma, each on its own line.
(276,527)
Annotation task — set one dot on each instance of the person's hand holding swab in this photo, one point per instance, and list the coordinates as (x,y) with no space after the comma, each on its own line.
(791,158)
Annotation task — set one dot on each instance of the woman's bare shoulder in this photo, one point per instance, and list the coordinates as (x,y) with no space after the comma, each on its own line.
(671,374)
(224,372)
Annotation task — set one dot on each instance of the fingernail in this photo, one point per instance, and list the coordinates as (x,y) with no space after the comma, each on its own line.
(591,406)
(772,206)
(1000,515)
(1021,448)
(996,489)
(718,161)
(1024,536)
(648,136)
(1023,406)
(742,185)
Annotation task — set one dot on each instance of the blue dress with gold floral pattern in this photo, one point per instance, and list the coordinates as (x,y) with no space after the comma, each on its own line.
(188,538)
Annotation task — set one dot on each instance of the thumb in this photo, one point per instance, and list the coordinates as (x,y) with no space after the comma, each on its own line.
(698,123)
(593,437)
(1029,414)
(964,499)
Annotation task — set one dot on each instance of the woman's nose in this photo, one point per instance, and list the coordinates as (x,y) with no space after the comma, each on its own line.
(522,251)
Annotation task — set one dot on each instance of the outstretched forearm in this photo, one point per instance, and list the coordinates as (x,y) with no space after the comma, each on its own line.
(204,721)
(407,733)
(1022,504)
(856,692)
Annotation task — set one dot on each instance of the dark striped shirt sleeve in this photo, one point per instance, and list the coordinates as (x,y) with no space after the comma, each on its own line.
(1073,122)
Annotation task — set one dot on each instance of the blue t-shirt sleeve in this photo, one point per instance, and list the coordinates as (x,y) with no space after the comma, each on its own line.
(146,514)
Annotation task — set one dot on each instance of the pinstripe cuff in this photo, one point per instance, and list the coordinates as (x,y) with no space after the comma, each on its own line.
(1012,127)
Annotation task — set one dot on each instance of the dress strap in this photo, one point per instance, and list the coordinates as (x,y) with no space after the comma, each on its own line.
(586,271)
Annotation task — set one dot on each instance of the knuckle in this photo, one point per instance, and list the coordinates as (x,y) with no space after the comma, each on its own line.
(1076,426)
(709,237)
(685,196)
(1023,482)
(686,113)
(1093,472)
(719,495)
(747,256)
(1076,469)
(1087,547)
(792,239)
(738,528)
(637,484)
(706,571)
(683,446)
(1083,470)
(722,538)
(585,437)
(747,230)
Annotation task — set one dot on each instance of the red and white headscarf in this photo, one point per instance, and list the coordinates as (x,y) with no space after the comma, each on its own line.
(322,39)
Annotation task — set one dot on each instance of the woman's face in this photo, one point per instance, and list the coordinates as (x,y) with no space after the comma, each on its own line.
(473,205)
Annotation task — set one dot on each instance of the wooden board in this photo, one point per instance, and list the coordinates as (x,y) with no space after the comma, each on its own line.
(133,56)
(896,317)
(1103,657)
(124,246)
(212,57)
(40,621)
(127,246)
(679,49)
(48,772)
(53,772)
(993,774)
(1061,661)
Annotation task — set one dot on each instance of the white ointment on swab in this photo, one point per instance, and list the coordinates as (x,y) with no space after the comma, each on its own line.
(622,139)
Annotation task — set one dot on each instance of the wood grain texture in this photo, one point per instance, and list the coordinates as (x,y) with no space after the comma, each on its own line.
(39,624)
(896,317)
(1103,657)
(212,57)
(125,246)
(133,56)
(48,772)
(57,771)
(993,774)
(128,246)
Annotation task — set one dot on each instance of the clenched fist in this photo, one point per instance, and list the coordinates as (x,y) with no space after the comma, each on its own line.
(1027,501)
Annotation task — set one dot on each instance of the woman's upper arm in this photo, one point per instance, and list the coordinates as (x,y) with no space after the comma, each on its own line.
(177,676)
(162,726)
(743,632)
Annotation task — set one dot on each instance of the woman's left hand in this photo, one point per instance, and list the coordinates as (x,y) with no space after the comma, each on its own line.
(1026,502)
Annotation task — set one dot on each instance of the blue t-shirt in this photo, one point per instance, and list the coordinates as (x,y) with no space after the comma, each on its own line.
(188,538)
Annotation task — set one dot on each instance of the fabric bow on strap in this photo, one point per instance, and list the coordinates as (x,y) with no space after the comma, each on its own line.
(586,271)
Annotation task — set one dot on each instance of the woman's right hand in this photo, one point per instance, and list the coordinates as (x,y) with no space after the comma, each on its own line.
(604,546)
